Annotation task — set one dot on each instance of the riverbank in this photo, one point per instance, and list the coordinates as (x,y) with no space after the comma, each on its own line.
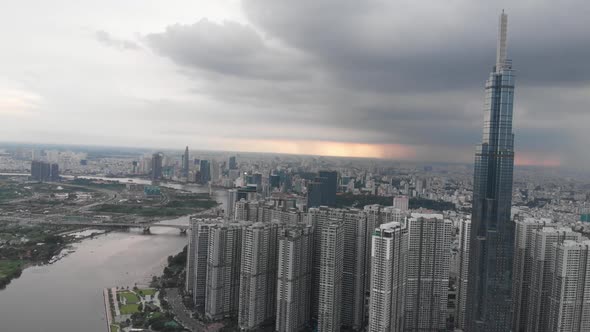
(9,269)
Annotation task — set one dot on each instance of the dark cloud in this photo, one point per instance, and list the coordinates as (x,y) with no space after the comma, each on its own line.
(395,72)
(106,39)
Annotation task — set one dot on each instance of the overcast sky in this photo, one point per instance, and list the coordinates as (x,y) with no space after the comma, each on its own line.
(392,79)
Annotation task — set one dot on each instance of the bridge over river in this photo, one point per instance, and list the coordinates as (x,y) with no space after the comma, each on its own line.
(146,226)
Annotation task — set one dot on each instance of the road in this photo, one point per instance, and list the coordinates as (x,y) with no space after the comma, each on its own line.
(183,315)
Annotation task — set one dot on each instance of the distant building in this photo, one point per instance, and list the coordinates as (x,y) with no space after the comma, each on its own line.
(205,172)
(401,202)
(314,194)
(322,190)
(43,171)
(232,163)
(274,181)
(185,163)
(232,198)
(329,187)
(157,166)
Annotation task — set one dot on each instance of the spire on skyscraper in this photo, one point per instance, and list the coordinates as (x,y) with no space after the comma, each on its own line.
(501,47)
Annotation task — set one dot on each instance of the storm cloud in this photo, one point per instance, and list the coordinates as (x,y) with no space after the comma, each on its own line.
(388,74)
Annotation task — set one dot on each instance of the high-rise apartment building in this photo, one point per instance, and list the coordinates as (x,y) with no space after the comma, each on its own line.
(197,259)
(354,268)
(258,276)
(294,278)
(522,269)
(489,298)
(463,272)
(388,278)
(230,208)
(330,279)
(541,274)
(428,264)
(569,301)
(223,271)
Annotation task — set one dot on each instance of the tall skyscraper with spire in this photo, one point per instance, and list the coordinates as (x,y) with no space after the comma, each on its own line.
(185,163)
(492,230)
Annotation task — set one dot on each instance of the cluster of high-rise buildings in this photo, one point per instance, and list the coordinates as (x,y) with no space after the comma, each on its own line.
(43,171)
(160,166)
(327,268)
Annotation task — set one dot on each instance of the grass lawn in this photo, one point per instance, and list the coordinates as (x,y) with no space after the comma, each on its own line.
(9,267)
(129,309)
(155,314)
(130,297)
(114,328)
(147,291)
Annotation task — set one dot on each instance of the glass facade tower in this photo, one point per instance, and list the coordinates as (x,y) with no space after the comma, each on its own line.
(492,230)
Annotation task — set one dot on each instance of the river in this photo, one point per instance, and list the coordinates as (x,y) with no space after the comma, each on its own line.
(67,296)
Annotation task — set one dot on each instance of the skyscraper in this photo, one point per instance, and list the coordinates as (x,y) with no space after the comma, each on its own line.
(489,298)
(157,166)
(205,170)
(232,163)
(185,163)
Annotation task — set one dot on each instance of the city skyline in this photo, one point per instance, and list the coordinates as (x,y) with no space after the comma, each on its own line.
(361,103)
